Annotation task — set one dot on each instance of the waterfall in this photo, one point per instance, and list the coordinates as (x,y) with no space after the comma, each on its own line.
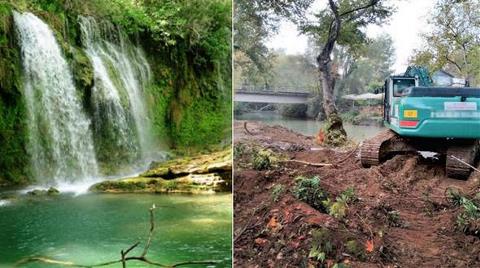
(60,138)
(121,74)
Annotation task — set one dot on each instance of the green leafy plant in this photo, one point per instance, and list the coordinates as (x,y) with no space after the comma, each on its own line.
(309,191)
(239,149)
(338,209)
(353,248)
(263,159)
(277,192)
(321,245)
(171,185)
(468,220)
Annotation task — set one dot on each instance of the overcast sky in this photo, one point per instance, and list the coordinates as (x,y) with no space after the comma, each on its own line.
(404,27)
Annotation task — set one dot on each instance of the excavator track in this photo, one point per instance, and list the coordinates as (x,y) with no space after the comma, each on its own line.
(371,150)
(458,156)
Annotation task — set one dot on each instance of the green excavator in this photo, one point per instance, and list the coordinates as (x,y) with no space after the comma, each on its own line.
(421,117)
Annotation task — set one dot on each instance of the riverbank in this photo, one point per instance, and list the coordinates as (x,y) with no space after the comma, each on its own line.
(300,204)
(206,173)
(310,127)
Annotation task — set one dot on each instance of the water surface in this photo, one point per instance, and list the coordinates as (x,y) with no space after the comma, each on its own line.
(93,228)
(307,126)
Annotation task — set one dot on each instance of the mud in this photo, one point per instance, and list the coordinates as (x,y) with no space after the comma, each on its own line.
(401,218)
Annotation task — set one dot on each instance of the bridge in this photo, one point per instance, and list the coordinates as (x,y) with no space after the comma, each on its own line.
(268,96)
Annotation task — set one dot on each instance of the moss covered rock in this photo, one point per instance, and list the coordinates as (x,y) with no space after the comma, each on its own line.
(191,184)
(201,174)
(82,70)
(218,162)
(13,131)
(49,192)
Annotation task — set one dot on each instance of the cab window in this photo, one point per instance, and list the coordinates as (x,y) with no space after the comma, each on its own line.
(401,84)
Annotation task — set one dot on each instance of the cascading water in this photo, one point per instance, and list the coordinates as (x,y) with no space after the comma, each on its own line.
(60,137)
(121,73)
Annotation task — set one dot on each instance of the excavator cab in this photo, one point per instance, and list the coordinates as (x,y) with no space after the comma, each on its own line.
(394,87)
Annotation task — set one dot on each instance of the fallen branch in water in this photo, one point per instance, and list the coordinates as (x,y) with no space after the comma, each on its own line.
(124,259)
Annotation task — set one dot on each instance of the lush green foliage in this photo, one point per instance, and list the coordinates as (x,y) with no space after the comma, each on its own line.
(368,70)
(263,159)
(255,21)
(354,19)
(338,208)
(277,192)
(298,110)
(453,43)
(468,218)
(188,45)
(310,191)
(13,136)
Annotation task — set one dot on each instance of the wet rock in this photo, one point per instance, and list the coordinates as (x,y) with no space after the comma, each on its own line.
(50,192)
(210,163)
(192,184)
(200,174)
(53,191)
(37,192)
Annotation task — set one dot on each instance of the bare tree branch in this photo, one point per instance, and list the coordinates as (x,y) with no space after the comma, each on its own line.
(152,227)
(453,62)
(370,4)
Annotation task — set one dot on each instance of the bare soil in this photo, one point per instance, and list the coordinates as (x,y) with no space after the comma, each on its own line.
(278,233)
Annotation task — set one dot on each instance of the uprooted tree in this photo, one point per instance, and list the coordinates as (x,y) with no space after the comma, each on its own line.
(343,23)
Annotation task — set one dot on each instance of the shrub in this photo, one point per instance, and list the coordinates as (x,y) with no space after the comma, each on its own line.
(309,191)
(277,192)
(468,220)
(338,209)
(239,149)
(263,159)
(171,185)
(354,249)
(321,244)
(294,110)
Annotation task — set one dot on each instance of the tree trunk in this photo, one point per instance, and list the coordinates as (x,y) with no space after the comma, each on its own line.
(334,132)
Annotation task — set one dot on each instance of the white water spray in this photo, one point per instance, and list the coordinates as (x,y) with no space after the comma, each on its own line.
(60,137)
(121,75)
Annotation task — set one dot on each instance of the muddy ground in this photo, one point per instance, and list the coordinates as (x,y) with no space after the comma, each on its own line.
(400,218)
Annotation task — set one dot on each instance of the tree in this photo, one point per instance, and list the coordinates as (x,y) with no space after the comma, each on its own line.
(293,73)
(255,21)
(368,70)
(454,41)
(343,23)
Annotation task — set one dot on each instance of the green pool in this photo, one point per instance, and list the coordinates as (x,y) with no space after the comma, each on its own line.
(93,228)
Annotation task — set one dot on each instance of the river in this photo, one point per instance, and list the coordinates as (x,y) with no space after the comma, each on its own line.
(309,127)
(93,228)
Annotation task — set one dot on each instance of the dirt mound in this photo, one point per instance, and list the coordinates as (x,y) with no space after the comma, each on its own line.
(400,216)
